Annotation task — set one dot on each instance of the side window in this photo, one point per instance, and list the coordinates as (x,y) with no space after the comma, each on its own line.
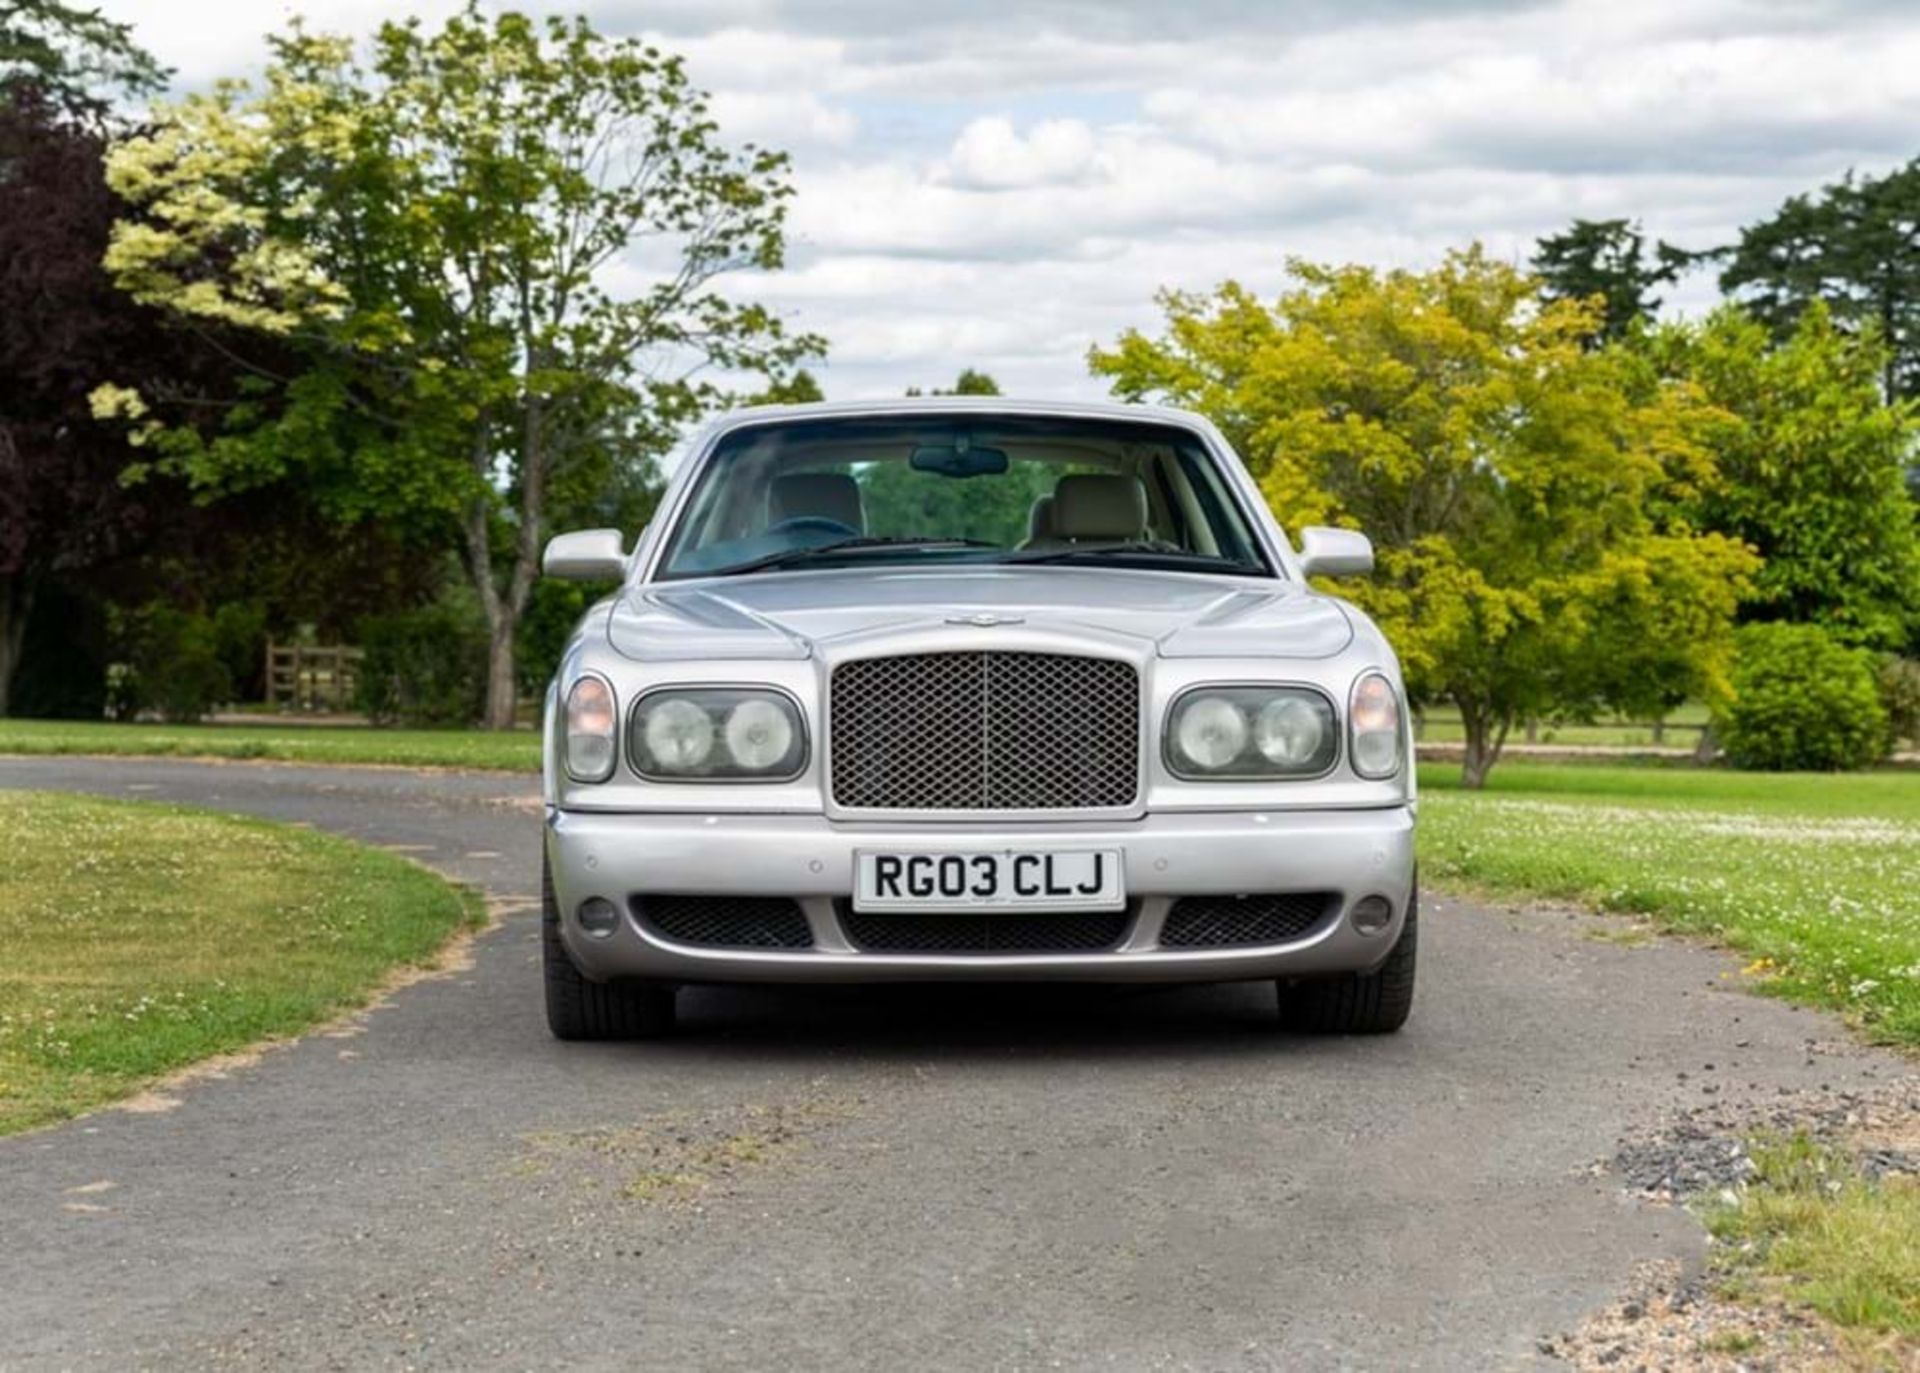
(1171,503)
(1230,536)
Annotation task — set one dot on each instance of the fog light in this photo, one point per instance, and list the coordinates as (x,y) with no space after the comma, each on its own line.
(1372,914)
(598,916)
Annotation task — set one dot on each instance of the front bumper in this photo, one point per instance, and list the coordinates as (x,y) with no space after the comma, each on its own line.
(1353,854)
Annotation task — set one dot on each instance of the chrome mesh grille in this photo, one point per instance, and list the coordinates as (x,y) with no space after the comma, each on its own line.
(1197,922)
(985,731)
(970,932)
(727,922)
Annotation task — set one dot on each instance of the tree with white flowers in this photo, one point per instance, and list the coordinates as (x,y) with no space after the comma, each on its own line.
(492,254)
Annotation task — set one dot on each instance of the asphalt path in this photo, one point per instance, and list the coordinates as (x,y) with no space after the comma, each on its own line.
(949,1177)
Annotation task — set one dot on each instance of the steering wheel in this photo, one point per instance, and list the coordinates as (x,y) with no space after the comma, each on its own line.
(800,524)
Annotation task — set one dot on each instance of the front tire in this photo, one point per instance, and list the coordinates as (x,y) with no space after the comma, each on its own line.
(581,1009)
(1375,1003)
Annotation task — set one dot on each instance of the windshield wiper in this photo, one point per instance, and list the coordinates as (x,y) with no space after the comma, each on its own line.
(858,545)
(1141,552)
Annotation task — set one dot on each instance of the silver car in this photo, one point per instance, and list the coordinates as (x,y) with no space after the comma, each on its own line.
(972,688)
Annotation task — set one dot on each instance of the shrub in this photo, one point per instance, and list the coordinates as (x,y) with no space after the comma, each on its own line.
(240,635)
(1801,701)
(425,666)
(172,664)
(1899,683)
(552,611)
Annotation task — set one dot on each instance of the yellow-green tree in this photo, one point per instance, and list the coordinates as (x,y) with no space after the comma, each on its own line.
(1520,487)
(492,252)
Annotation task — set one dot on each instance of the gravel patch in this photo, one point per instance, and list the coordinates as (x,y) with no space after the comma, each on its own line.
(1670,1321)
(1705,1148)
(1669,1318)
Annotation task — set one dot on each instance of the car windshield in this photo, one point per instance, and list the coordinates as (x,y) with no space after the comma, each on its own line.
(974,488)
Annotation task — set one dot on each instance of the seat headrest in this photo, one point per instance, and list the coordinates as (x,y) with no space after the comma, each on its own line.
(820,495)
(1040,519)
(1099,506)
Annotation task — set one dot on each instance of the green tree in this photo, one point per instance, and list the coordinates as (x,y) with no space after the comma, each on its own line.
(75,58)
(1608,258)
(800,388)
(64,517)
(1511,476)
(971,382)
(1809,463)
(1854,245)
(436,231)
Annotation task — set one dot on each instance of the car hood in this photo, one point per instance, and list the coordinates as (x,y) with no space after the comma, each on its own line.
(789,615)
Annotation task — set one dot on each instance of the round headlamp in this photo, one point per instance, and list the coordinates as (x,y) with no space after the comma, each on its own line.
(676,734)
(1290,732)
(758,733)
(1210,733)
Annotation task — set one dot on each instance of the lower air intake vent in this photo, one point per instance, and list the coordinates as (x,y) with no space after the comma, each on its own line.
(726,922)
(966,932)
(1214,922)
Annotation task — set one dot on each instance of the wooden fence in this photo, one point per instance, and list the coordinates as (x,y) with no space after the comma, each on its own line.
(310,677)
(1677,736)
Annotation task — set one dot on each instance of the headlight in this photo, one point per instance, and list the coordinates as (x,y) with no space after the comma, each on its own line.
(1251,732)
(589,720)
(759,734)
(676,735)
(740,734)
(1373,717)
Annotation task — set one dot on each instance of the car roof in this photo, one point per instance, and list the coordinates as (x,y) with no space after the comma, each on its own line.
(935,405)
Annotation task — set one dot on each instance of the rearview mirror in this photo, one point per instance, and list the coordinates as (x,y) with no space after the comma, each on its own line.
(958,459)
(1328,552)
(587,555)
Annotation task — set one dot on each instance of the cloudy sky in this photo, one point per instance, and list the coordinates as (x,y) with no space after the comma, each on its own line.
(1002,185)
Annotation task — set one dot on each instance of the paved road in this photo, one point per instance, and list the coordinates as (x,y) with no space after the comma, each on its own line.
(948,1178)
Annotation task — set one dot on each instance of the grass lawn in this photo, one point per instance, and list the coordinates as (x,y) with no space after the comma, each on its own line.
(1809,1228)
(1816,877)
(518,751)
(140,938)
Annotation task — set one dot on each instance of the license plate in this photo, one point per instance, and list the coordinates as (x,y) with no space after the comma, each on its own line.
(1004,879)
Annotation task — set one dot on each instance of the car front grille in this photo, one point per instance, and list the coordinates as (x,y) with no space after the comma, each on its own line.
(979,932)
(726,922)
(985,732)
(1213,922)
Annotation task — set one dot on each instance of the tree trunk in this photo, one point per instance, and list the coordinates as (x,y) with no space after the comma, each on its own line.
(502,688)
(505,605)
(504,617)
(1486,736)
(16,601)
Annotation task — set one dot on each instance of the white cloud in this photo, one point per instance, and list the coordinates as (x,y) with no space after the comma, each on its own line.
(1003,185)
(787,119)
(990,154)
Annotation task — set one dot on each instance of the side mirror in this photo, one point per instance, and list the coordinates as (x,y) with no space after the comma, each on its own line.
(588,555)
(1328,552)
